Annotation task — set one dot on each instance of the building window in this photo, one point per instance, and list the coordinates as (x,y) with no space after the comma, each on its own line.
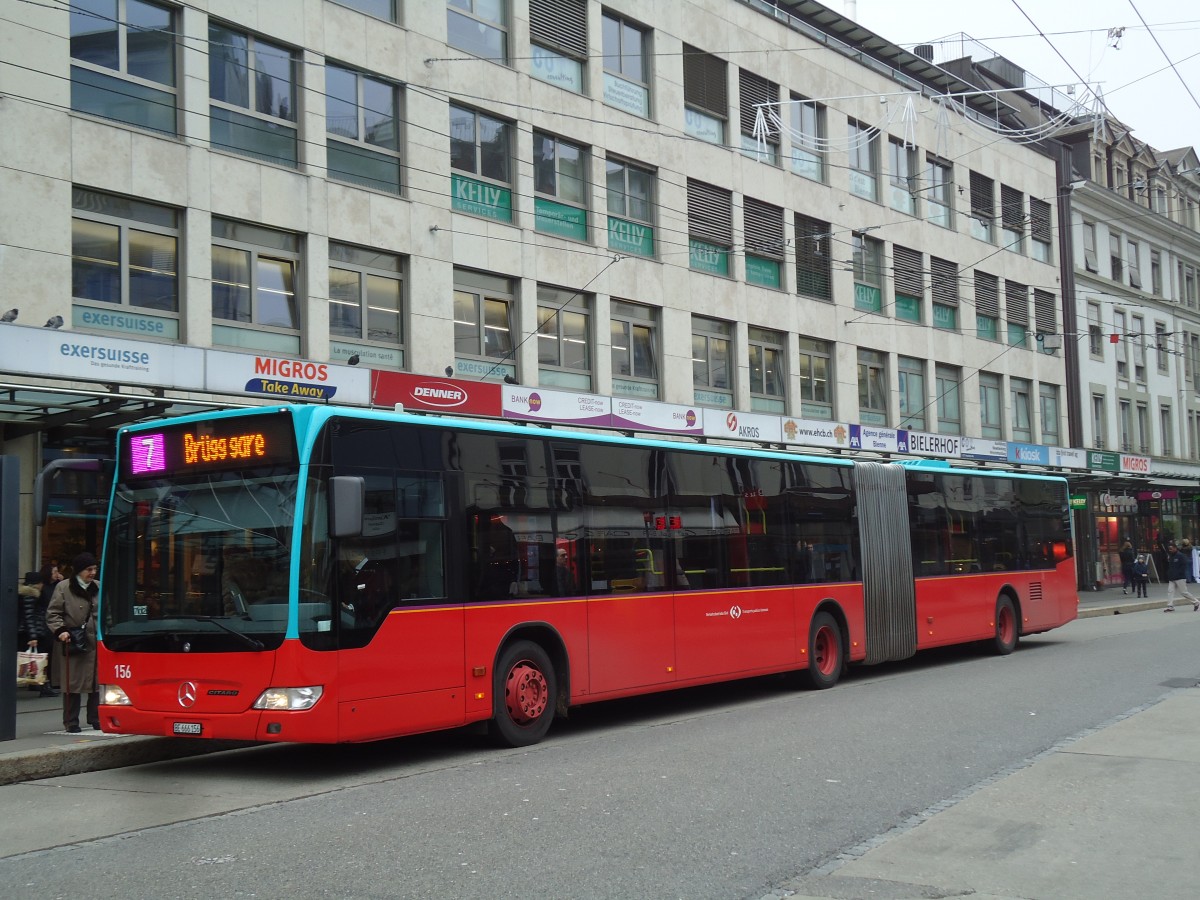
(1016,310)
(764,243)
(983,206)
(1114,257)
(1045,319)
(987,306)
(1021,409)
(380,9)
(710,227)
(1048,408)
(712,365)
(768,378)
(1099,421)
(705,95)
(1166,436)
(480,146)
(254,287)
(479,27)
(1156,283)
(991,412)
(484,308)
(910,380)
(633,333)
(363,124)
(564,339)
(560,183)
(1135,269)
(630,197)
(872,387)
(366,302)
(1089,247)
(902,175)
(868,273)
(949,411)
(808,138)
(626,70)
(1138,337)
(123,62)
(1012,219)
(558,42)
(124,253)
(1125,424)
(908,282)
(1161,347)
(252,84)
(816,364)
(814,264)
(1095,331)
(939,193)
(1143,426)
(754,92)
(1121,332)
(1040,230)
(944,288)
(864,160)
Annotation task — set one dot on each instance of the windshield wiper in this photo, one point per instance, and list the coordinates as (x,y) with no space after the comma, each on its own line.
(250,642)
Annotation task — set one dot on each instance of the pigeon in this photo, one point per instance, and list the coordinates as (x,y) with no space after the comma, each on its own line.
(10,316)
(54,322)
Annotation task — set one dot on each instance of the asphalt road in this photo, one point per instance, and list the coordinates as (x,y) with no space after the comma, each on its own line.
(726,792)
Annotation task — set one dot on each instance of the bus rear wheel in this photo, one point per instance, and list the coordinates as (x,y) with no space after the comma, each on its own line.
(525,694)
(1007,629)
(826,655)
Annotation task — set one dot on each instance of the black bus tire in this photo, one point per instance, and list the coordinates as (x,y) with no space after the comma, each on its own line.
(826,653)
(1008,628)
(525,693)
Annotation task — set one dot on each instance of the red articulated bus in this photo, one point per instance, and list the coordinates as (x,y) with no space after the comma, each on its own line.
(319,574)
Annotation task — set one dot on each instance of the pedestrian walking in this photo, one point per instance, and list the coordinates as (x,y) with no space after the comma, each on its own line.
(1177,566)
(73,609)
(1141,576)
(34,633)
(1127,555)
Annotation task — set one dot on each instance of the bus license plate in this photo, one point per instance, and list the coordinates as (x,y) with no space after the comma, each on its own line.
(187,728)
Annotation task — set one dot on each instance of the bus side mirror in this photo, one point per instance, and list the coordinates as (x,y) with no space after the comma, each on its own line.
(346,496)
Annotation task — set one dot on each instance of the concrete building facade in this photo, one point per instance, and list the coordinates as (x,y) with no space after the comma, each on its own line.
(720,204)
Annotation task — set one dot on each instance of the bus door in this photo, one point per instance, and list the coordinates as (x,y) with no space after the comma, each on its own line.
(631,622)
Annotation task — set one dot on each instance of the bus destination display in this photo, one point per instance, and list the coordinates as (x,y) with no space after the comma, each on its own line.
(210,446)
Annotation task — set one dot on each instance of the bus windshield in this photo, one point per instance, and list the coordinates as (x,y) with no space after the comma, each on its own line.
(200,564)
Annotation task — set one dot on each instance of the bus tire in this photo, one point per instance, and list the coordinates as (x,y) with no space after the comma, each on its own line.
(525,692)
(1008,630)
(826,653)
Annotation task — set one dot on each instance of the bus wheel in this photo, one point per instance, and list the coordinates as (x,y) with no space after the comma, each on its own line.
(1007,630)
(525,694)
(825,652)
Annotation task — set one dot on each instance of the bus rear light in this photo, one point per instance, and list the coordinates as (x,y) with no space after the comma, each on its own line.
(114,695)
(289,698)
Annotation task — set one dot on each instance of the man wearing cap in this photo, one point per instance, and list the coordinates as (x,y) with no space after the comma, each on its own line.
(73,605)
(1177,566)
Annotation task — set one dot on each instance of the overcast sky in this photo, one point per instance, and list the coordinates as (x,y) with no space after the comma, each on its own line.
(1136,78)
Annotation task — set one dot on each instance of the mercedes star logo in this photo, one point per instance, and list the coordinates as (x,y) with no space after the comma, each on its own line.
(187,694)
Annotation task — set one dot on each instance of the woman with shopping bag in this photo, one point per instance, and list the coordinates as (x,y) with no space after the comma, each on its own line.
(34,634)
(72,620)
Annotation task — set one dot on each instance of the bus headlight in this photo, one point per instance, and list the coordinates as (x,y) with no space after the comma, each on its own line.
(289,698)
(114,695)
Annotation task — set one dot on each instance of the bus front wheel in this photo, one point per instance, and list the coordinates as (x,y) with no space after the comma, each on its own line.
(825,652)
(1007,628)
(525,694)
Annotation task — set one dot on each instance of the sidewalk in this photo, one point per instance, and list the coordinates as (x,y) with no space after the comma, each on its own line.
(42,749)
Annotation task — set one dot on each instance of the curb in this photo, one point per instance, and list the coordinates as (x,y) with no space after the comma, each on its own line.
(104,753)
(1117,608)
